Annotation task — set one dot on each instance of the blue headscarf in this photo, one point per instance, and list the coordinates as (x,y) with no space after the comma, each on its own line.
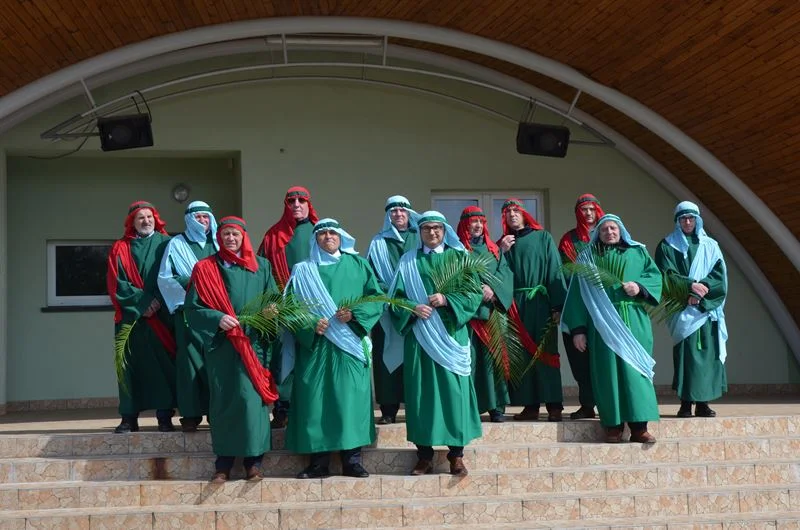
(624,235)
(347,245)
(450,237)
(195,231)
(677,238)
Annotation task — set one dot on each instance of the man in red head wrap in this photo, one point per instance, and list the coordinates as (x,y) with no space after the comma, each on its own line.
(491,388)
(240,385)
(132,282)
(288,242)
(539,293)
(587,212)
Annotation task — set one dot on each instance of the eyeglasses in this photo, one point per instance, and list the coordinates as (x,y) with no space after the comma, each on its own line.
(435,228)
(296,199)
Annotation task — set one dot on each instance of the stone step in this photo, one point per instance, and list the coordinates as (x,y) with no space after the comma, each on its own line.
(702,505)
(394,436)
(620,479)
(196,465)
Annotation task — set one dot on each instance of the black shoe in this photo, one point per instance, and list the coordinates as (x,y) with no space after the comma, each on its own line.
(314,471)
(702,410)
(356,470)
(279,420)
(386,420)
(127,426)
(686,410)
(495,416)
(166,425)
(190,424)
(583,413)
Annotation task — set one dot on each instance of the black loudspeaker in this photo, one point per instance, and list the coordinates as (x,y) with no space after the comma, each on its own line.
(125,132)
(542,140)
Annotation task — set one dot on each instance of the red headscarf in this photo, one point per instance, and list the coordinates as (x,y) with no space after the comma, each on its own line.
(121,254)
(463,230)
(279,235)
(582,228)
(529,220)
(247,258)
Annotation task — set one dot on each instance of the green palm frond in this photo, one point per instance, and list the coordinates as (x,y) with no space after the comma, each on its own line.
(271,312)
(121,348)
(401,303)
(532,292)
(508,355)
(606,270)
(461,272)
(550,328)
(674,295)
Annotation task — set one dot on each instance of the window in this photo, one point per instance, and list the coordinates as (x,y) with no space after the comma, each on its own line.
(76,273)
(491,202)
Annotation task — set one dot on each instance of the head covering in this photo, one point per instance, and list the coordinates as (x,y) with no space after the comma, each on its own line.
(677,238)
(583,228)
(624,235)
(195,231)
(450,237)
(247,257)
(463,230)
(393,202)
(279,235)
(347,245)
(133,209)
(529,220)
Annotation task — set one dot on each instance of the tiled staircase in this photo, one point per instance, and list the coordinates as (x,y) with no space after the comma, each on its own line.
(703,473)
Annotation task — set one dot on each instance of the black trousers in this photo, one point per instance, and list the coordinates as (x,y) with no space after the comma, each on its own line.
(425,452)
(349,457)
(225,463)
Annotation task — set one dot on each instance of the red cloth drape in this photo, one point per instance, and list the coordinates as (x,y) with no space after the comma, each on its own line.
(529,220)
(550,359)
(582,228)
(246,257)
(463,230)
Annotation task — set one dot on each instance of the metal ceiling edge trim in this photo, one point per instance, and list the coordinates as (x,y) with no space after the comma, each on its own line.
(137,56)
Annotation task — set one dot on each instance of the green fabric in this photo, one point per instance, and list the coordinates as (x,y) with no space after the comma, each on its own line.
(698,374)
(150,372)
(332,395)
(491,389)
(389,387)
(622,394)
(191,380)
(534,261)
(239,418)
(579,246)
(441,407)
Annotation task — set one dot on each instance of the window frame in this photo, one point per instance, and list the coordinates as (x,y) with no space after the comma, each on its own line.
(486,199)
(56,301)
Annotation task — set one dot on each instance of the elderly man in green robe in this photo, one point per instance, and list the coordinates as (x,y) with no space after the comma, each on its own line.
(240,385)
(607,318)
(332,392)
(183,251)
(539,295)
(398,236)
(491,385)
(149,368)
(690,256)
(441,406)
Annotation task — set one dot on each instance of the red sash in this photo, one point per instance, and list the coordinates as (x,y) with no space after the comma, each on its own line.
(550,359)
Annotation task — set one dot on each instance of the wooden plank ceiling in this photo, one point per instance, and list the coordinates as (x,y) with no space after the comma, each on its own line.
(726,72)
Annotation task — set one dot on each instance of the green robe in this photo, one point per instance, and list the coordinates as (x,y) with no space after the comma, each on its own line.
(698,375)
(389,386)
(239,418)
(332,395)
(150,371)
(491,389)
(534,261)
(622,394)
(192,383)
(441,407)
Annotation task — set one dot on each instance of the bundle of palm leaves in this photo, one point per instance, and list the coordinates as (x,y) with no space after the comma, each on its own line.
(121,348)
(461,272)
(400,303)
(509,358)
(272,312)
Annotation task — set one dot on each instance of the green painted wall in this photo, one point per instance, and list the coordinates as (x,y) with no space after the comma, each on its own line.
(352,146)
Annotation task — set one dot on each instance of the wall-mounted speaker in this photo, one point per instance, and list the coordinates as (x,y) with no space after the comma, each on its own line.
(542,140)
(125,132)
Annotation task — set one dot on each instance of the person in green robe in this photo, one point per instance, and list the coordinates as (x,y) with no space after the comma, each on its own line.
(332,392)
(198,241)
(690,256)
(441,406)
(539,292)
(148,380)
(491,387)
(398,236)
(587,212)
(285,244)
(240,385)
(609,321)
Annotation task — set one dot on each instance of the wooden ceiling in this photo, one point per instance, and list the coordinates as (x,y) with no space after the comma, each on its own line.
(726,72)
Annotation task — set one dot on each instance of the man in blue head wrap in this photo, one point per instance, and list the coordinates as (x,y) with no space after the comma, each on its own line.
(610,324)
(698,332)
(397,236)
(332,391)
(182,253)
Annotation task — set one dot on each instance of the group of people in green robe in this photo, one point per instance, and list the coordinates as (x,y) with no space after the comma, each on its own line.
(187,348)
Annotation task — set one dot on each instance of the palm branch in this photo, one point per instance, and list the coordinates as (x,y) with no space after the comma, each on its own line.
(531,292)
(120,349)
(674,294)
(606,269)
(271,312)
(549,328)
(461,272)
(508,355)
(401,303)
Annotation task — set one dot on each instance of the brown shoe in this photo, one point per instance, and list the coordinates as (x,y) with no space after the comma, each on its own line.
(643,437)
(423,467)
(527,414)
(613,435)
(253,474)
(583,413)
(220,477)
(457,466)
(554,415)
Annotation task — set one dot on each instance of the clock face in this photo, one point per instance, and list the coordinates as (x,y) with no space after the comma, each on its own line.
(180,192)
